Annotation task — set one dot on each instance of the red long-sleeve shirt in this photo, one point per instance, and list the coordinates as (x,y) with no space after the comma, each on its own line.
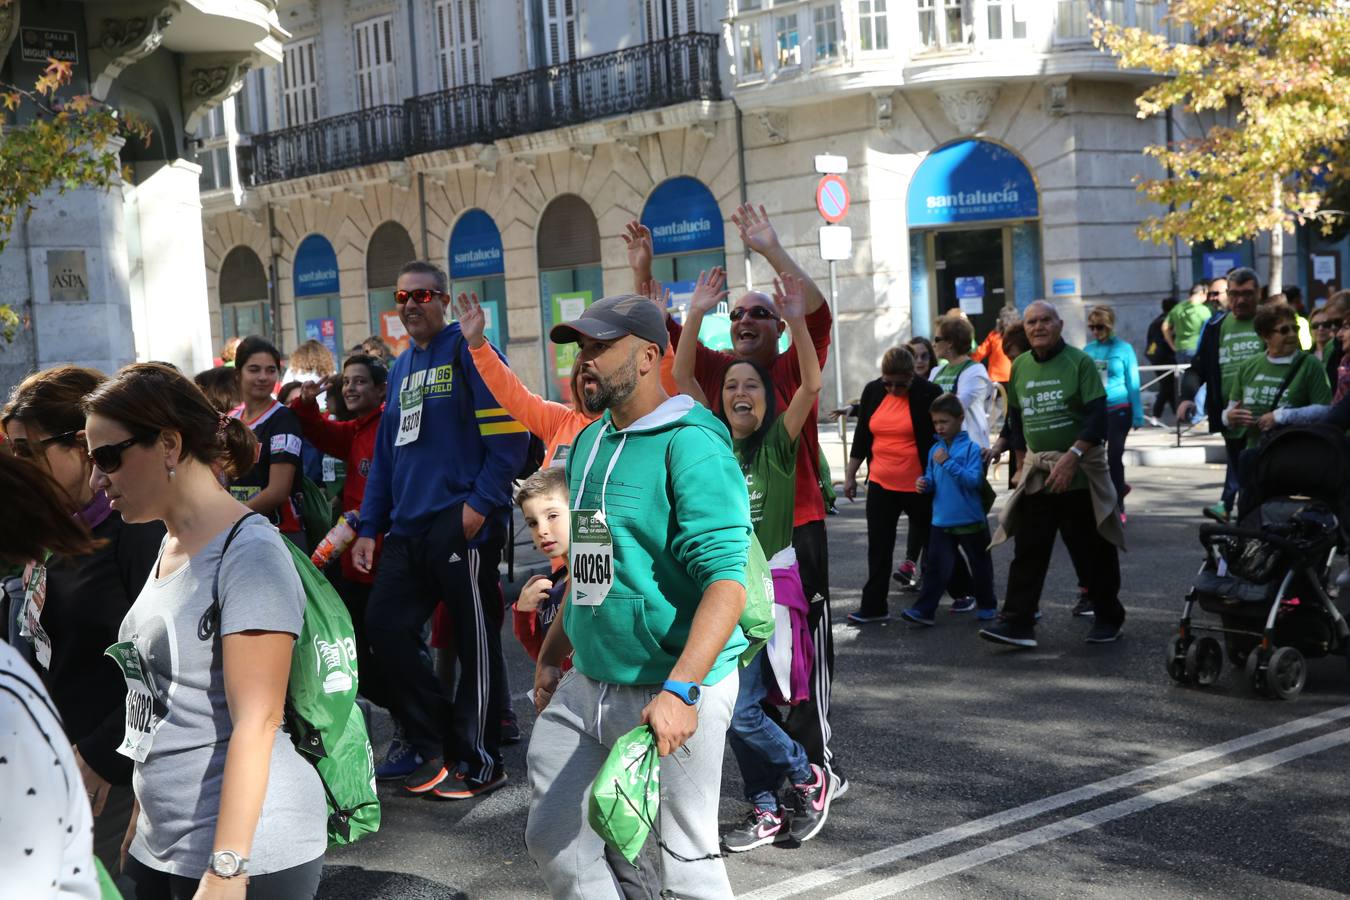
(354,443)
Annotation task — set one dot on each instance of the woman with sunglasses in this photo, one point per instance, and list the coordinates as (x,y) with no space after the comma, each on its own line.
(1284,377)
(73,605)
(227,807)
(272,484)
(893,436)
(1119,370)
(1324,330)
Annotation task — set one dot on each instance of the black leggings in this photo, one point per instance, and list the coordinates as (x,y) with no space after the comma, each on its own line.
(296,883)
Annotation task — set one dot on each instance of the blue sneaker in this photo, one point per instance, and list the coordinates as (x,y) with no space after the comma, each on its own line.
(400,762)
(963,604)
(916,616)
(986,615)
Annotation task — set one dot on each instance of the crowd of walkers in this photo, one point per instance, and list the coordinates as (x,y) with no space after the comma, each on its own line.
(651,493)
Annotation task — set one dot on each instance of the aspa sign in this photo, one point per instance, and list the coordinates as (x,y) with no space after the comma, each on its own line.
(832,199)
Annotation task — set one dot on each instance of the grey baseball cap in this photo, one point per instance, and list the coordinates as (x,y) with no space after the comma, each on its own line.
(611,318)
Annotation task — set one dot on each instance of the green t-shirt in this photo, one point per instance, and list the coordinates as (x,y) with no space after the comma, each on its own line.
(947,376)
(1187,320)
(1257,380)
(1053,396)
(772,482)
(1237,344)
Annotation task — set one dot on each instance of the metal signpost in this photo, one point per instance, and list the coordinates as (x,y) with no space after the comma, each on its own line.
(836,243)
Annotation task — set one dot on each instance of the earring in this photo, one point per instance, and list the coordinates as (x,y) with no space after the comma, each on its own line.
(171,472)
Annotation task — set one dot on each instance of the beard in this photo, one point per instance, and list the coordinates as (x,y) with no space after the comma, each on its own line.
(614,389)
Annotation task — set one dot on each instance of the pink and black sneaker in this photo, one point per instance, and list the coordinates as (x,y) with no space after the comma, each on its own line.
(808,805)
(760,827)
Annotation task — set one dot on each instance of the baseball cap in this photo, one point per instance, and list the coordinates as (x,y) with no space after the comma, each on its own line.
(613,317)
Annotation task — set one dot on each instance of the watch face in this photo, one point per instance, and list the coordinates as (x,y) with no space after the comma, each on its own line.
(694,693)
(226,865)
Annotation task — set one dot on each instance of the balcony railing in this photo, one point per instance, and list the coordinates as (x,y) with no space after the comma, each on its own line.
(648,76)
(338,142)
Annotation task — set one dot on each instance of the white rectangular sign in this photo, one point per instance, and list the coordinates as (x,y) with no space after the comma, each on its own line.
(829,164)
(836,242)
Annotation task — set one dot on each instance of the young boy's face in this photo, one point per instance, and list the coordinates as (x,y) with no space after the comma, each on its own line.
(947,426)
(550,524)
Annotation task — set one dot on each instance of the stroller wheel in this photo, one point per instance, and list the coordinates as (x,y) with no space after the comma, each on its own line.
(1204,661)
(1257,671)
(1286,673)
(1176,659)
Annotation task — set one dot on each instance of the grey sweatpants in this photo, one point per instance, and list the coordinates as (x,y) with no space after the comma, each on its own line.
(569,743)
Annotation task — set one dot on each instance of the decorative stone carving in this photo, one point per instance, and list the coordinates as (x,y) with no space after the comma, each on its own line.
(775,126)
(967,106)
(584,152)
(486,161)
(129,39)
(527,162)
(1057,98)
(707,129)
(630,142)
(207,81)
(883,106)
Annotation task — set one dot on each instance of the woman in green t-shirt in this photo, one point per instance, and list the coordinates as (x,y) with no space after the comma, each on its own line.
(766,447)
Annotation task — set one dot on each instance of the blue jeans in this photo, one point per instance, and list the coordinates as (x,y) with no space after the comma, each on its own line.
(763,750)
(944,550)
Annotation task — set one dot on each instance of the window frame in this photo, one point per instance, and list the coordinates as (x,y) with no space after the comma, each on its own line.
(873,17)
(941,10)
(456,54)
(301,94)
(377,79)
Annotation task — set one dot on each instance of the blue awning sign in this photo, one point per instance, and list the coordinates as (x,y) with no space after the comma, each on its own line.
(971,181)
(683,217)
(316,269)
(475,247)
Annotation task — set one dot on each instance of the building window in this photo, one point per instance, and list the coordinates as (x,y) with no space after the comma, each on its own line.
(788,40)
(560,27)
(375,83)
(873,33)
(1073,17)
(664,19)
(750,50)
(941,24)
(1006,20)
(213,149)
(459,44)
(299,84)
(826,22)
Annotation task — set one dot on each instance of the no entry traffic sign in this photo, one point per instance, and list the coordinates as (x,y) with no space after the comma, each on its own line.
(832,198)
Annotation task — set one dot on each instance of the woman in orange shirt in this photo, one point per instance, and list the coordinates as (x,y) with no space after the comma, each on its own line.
(991,352)
(894,435)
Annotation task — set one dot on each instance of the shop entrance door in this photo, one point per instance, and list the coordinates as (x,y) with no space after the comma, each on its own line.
(971,272)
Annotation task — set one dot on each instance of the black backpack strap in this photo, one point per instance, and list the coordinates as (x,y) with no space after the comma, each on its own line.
(206,627)
(1288,379)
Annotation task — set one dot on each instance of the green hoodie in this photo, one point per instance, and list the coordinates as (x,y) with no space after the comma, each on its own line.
(679,516)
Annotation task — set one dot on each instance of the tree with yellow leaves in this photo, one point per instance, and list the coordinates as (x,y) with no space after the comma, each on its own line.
(1280,71)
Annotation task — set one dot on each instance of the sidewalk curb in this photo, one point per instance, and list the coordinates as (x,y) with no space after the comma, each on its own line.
(1195,455)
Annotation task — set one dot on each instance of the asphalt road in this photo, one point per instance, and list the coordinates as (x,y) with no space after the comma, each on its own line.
(960,755)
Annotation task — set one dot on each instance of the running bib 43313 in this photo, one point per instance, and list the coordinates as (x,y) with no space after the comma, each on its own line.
(591,558)
(145,712)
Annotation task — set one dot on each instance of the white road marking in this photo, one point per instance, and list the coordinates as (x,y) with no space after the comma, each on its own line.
(897,884)
(957,833)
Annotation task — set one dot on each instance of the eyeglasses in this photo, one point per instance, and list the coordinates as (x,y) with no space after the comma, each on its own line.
(420,295)
(108,458)
(1325,324)
(24,448)
(1333,324)
(1099,327)
(1283,330)
(755,312)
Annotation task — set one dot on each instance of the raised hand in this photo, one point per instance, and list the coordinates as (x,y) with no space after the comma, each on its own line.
(310,390)
(472,322)
(789,294)
(656,292)
(638,238)
(708,290)
(756,231)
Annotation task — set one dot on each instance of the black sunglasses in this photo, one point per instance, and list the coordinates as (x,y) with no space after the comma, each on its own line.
(24,448)
(1333,324)
(1284,330)
(755,312)
(421,295)
(108,458)
(1099,328)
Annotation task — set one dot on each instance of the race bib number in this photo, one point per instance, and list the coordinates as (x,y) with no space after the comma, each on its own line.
(410,410)
(329,469)
(591,561)
(30,623)
(145,712)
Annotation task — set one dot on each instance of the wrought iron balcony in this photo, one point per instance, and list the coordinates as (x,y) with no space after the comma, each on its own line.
(359,138)
(648,76)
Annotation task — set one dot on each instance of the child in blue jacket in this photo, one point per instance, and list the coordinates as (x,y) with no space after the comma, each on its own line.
(955,478)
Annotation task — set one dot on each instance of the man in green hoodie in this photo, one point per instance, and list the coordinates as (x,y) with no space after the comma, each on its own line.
(660,537)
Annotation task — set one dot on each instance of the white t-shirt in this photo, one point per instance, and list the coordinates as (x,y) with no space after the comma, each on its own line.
(47,849)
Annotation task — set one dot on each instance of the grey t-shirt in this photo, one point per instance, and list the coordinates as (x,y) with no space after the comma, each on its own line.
(179,782)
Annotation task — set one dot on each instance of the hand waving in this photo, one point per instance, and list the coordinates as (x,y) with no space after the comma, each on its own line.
(756,231)
(472,322)
(638,237)
(708,291)
(654,291)
(789,294)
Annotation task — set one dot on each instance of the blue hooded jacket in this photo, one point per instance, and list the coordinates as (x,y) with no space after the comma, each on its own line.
(955,484)
(468,448)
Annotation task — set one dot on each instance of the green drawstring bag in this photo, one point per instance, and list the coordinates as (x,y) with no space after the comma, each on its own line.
(107,890)
(626,794)
(757,620)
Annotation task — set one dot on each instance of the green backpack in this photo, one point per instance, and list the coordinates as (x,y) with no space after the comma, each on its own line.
(316,511)
(757,620)
(322,717)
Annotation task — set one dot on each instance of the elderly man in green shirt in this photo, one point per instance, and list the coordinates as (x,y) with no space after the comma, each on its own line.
(1056,406)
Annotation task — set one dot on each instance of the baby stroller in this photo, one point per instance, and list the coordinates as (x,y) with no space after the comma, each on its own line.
(1266,579)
